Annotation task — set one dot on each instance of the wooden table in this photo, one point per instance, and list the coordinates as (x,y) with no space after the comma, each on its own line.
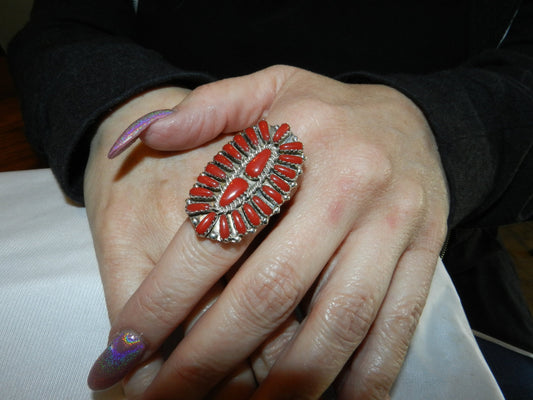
(15,152)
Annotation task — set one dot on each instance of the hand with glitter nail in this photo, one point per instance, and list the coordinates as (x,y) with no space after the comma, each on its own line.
(132,208)
(354,249)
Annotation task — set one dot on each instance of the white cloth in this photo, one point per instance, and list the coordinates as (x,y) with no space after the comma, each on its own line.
(54,322)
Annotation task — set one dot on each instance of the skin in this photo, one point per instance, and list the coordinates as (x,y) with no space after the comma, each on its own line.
(355,248)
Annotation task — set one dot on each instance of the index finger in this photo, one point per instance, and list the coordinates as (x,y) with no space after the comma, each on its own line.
(157,307)
(237,193)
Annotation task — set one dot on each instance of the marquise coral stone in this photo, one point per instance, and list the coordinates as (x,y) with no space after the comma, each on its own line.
(273,194)
(251,214)
(293,146)
(197,207)
(241,143)
(286,171)
(223,227)
(207,181)
(247,182)
(238,222)
(280,132)
(232,151)
(205,223)
(258,164)
(250,133)
(200,192)
(224,161)
(265,209)
(276,180)
(213,170)
(291,159)
(263,128)
(235,189)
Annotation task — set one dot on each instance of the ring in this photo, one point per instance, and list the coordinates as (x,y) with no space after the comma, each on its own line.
(246,182)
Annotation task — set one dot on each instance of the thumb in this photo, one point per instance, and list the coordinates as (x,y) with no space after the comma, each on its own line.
(229,105)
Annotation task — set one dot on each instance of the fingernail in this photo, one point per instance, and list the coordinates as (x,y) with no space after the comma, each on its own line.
(133,131)
(125,350)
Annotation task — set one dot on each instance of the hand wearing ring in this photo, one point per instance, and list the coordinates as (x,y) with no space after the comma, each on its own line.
(359,241)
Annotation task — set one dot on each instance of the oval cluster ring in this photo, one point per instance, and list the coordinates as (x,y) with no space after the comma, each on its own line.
(246,182)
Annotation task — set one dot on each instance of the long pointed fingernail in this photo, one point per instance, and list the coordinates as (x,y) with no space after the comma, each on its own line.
(125,350)
(134,131)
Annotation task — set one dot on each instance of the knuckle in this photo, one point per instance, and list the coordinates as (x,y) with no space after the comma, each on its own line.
(156,306)
(282,69)
(321,111)
(203,91)
(204,255)
(369,170)
(346,319)
(269,297)
(411,201)
(401,323)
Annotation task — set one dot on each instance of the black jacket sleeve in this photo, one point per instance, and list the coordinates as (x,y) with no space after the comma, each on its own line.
(74,62)
(481,114)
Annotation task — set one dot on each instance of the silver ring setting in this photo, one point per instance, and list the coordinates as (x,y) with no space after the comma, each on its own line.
(246,182)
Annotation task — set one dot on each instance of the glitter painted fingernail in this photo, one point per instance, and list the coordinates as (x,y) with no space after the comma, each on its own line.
(125,350)
(133,131)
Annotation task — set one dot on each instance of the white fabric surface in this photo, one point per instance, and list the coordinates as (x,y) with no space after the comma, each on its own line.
(54,322)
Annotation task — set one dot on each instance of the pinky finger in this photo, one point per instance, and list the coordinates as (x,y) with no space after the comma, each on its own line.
(375,366)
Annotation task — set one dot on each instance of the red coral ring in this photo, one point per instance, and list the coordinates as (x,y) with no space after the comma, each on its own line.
(246,183)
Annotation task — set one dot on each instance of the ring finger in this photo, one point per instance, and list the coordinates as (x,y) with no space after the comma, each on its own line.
(258,299)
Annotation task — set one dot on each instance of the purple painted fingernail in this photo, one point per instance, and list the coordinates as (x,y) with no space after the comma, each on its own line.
(134,131)
(124,352)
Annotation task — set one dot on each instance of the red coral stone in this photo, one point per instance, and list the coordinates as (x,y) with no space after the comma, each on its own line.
(250,132)
(291,159)
(241,142)
(265,209)
(282,130)
(276,180)
(213,170)
(273,194)
(285,171)
(223,227)
(292,146)
(235,189)
(197,207)
(207,181)
(224,161)
(251,214)
(256,166)
(205,223)
(232,151)
(264,129)
(200,192)
(238,222)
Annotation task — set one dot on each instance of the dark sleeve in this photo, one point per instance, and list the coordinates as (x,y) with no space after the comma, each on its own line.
(482,117)
(73,62)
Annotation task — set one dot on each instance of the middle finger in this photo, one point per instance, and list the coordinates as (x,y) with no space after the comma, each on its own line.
(259,298)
